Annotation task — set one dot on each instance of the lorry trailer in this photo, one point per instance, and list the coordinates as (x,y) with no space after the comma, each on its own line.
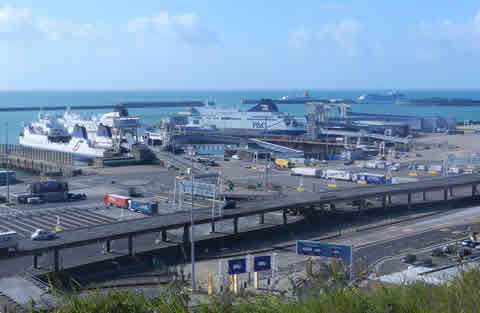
(116,200)
(371,178)
(306,171)
(146,207)
(336,174)
(124,202)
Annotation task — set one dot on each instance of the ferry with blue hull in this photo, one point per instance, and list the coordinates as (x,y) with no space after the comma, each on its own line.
(390,97)
(262,118)
(49,134)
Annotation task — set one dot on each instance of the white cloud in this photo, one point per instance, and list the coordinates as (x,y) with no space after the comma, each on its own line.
(343,38)
(467,33)
(185,27)
(20,24)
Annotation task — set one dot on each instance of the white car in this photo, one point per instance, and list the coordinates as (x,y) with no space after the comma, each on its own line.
(41,234)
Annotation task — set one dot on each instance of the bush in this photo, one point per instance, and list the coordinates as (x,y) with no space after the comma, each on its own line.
(461,295)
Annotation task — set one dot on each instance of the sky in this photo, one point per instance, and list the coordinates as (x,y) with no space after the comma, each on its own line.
(218,44)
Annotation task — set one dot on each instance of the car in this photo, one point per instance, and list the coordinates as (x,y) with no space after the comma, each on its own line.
(425,262)
(35,200)
(229,204)
(469,243)
(348,162)
(133,192)
(41,234)
(172,168)
(409,258)
(77,196)
(448,249)
(463,252)
(324,162)
(437,252)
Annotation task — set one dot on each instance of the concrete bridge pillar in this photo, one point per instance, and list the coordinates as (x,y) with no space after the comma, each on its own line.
(186,233)
(445,194)
(235,225)
(130,245)
(409,200)
(284,216)
(108,246)
(35,261)
(261,218)
(164,235)
(474,190)
(56,260)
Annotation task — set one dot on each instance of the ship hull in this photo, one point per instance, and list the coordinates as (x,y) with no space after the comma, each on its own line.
(78,148)
(248,131)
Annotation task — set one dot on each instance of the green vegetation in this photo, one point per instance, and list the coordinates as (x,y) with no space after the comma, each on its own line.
(461,295)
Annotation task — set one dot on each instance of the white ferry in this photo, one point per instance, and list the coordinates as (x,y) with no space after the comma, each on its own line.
(113,130)
(263,117)
(48,133)
(390,97)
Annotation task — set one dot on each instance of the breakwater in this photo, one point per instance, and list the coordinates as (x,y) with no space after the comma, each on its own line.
(163,104)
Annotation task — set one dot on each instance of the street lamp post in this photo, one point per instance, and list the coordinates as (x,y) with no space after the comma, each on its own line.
(6,164)
(192,237)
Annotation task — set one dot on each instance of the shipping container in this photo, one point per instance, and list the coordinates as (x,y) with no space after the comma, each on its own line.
(147,207)
(307,171)
(48,186)
(283,163)
(116,200)
(336,174)
(55,196)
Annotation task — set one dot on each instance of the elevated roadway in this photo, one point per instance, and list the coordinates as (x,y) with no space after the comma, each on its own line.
(129,229)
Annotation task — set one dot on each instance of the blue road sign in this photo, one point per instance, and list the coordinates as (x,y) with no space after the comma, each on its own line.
(262,263)
(330,250)
(237,266)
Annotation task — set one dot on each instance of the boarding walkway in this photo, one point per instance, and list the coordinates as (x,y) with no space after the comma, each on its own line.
(27,290)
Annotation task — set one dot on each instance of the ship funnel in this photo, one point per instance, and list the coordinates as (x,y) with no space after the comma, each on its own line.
(121,110)
(104,131)
(79,132)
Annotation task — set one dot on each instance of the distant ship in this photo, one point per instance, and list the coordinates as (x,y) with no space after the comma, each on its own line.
(390,97)
(48,133)
(435,101)
(263,117)
(306,98)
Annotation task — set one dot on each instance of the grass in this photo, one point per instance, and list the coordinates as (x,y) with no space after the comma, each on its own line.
(334,296)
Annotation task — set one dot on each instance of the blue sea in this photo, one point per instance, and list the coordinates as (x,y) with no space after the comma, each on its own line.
(221,97)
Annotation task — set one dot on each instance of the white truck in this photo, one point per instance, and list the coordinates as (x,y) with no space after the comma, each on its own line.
(8,240)
(306,171)
(336,174)
(454,170)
